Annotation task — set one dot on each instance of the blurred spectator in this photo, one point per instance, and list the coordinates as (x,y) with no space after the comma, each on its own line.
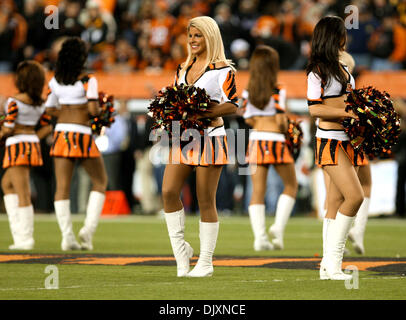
(386,46)
(69,20)
(248,15)
(38,37)
(177,56)
(100,29)
(13,33)
(161,27)
(228,24)
(240,52)
(111,145)
(381,9)
(358,39)
(267,24)
(143,183)
(155,62)
(120,58)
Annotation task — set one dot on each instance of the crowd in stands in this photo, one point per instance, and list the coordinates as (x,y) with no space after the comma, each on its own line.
(149,35)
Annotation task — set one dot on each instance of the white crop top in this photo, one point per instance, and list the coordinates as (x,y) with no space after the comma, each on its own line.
(219,83)
(276,104)
(318,91)
(21,113)
(80,92)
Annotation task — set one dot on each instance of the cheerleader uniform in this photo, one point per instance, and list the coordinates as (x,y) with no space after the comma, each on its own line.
(329,140)
(22,150)
(335,231)
(75,141)
(212,149)
(267,147)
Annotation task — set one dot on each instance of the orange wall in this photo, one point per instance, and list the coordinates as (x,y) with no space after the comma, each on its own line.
(144,86)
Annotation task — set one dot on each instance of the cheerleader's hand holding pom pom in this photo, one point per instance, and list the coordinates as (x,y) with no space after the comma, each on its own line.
(106,116)
(294,137)
(187,104)
(377,128)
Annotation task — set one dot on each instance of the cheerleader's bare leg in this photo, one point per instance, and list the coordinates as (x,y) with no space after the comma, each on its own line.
(63,173)
(343,179)
(17,200)
(256,209)
(174,178)
(356,234)
(97,173)
(285,203)
(207,179)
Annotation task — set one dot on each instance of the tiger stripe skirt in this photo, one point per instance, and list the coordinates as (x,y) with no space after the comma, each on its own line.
(326,152)
(70,144)
(268,152)
(209,150)
(24,153)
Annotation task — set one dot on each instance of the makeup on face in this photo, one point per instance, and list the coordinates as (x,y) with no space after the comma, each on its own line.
(196,41)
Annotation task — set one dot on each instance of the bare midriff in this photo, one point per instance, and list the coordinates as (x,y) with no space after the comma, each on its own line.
(265,123)
(77,114)
(23,129)
(337,102)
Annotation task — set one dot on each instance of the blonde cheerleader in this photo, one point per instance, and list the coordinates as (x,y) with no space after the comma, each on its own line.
(205,67)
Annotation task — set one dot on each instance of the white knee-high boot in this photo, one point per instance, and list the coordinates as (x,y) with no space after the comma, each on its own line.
(257,219)
(25,228)
(93,211)
(11,205)
(284,208)
(326,223)
(208,238)
(63,216)
(356,234)
(336,237)
(175,222)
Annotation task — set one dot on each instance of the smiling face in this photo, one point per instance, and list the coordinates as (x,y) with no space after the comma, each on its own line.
(196,41)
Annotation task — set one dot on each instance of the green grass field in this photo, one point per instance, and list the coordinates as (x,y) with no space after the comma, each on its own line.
(147,236)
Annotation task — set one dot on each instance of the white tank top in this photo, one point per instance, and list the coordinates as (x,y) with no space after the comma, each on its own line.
(21,113)
(276,104)
(318,91)
(80,92)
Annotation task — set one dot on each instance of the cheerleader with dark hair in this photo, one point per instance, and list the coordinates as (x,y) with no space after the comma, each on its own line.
(265,105)
(357,232)
(73,99)
(328,83)
(23,151)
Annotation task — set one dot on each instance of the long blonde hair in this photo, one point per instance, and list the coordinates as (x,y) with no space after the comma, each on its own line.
(214,43)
